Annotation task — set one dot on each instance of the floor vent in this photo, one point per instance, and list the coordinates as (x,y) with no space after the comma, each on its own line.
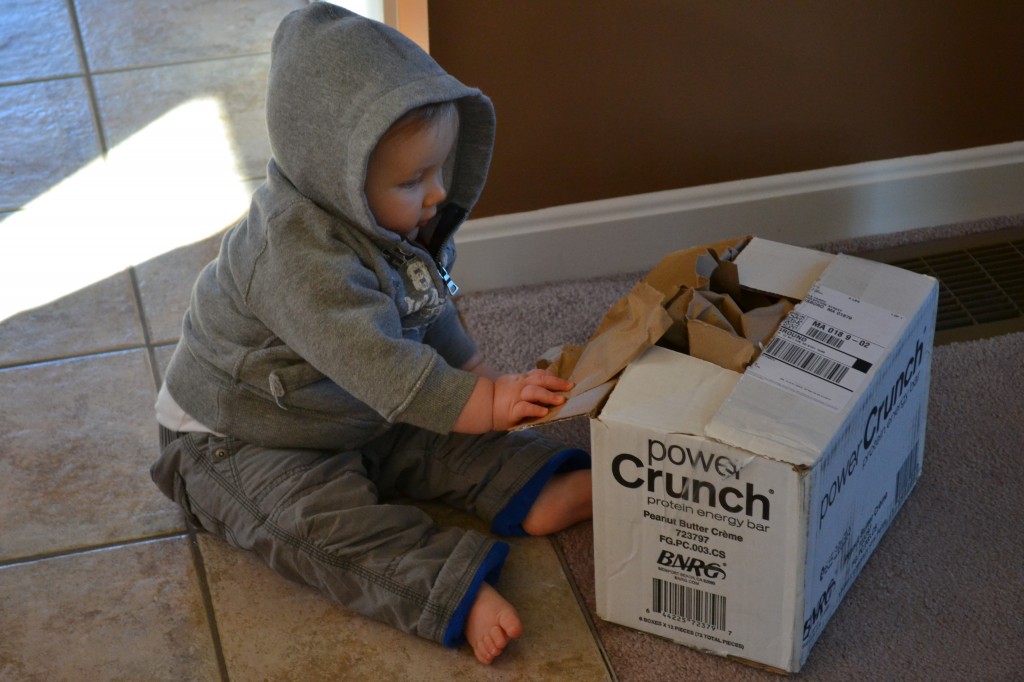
(981,282)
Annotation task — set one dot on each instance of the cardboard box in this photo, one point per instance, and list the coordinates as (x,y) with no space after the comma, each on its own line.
(733,511)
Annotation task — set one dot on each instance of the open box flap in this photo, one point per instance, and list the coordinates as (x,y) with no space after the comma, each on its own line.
(585,404)
(794,419)
(780,269)
(669,391)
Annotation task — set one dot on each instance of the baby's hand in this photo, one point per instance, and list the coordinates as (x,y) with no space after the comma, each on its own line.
(522,396)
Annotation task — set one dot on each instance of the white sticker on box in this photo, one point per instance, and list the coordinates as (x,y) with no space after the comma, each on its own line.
(825,348)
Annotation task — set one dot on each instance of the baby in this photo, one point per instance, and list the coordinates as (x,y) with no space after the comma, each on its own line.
(323,374)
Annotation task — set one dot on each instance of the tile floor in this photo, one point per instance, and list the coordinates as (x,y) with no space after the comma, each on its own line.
(131,132)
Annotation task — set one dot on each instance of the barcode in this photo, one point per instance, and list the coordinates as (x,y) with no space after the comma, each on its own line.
(906,477)
(807,360)
(688,603)
(825,337)
(793,320)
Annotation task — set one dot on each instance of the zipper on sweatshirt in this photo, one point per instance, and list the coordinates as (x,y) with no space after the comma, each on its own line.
(451,217)
(447,222)
(453,288)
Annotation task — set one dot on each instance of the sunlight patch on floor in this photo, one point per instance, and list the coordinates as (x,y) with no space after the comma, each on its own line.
(173,183)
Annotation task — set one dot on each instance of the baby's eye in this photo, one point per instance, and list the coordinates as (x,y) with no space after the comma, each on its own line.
(409,184)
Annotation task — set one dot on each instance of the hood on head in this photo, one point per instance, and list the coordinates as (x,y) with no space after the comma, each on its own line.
(337,82)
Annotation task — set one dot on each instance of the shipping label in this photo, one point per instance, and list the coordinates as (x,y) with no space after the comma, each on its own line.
(816,353)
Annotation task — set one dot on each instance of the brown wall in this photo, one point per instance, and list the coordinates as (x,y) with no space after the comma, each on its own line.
(605,98)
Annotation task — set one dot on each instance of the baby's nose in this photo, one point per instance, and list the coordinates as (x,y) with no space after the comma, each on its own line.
(436,193)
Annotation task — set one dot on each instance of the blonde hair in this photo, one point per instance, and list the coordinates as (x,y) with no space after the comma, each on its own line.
(426,115)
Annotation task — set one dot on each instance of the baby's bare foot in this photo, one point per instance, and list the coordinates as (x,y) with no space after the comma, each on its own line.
(492,623)
(564,501)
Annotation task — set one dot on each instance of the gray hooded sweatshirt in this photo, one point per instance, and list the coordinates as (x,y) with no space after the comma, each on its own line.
(315,327)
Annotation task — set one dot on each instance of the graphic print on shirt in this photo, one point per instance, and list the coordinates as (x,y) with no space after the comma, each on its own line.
(422,298)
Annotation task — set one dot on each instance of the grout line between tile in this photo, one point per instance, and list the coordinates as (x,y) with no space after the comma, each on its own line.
(581,602)
(42,79)
(140,316)
(94,108)
(180,62)
(33,558)
(207,595)
(75,356)
(193,543)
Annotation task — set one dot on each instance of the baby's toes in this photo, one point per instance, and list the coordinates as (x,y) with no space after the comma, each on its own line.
(483,653)
(497,639)
(488,649)
(510,625)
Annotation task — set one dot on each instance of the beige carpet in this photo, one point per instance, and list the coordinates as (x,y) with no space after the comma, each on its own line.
(942,598)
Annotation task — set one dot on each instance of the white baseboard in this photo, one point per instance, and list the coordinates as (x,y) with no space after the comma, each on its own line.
(630,234)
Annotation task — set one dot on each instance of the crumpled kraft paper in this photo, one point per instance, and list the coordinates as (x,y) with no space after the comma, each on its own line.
(690,302)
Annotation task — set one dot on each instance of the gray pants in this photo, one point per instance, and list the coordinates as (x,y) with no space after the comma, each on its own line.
(322,518)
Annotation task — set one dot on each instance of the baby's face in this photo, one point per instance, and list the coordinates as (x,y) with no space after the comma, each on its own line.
(405,175)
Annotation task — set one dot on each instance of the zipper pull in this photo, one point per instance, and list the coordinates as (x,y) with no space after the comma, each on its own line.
(453,288)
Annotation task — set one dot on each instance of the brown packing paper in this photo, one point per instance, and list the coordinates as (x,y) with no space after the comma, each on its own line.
(759,324)
(691,267)
(691,301)
(726,279)
(716,309)
(718,346)
(633,325)
(676,336)
(560,361)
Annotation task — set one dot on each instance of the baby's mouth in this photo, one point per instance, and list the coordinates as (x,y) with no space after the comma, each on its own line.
(426,223)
